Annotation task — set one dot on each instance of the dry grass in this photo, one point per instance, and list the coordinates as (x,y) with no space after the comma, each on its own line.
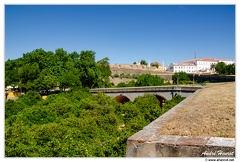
(210,113)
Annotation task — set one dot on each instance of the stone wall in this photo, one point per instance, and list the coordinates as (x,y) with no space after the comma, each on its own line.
(142,69)
(212,78)
(138,69)
(148,142)
(133,69)
(116,81)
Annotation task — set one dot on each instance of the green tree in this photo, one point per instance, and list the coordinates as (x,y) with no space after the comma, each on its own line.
(143,62)
(46,81)
(155,64)
(62,56)
(213,66)
(89,73)
(132,83)
(11,71)
(69,77)
(180,77)
(220,68)
(76,124)
(27,74)
(41,57)
(122,84)
(104,67)
(149,80)
(74,56)
(230,69)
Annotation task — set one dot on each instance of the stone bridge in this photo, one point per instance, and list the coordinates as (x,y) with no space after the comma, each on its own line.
(162,93)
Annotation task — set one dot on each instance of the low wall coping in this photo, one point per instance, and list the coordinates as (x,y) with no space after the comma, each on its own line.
(148,143)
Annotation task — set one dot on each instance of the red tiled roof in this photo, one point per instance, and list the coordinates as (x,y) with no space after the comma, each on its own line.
(184,64)
(208,59)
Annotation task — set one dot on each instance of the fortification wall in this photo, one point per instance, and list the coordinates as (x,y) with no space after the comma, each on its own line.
(138,69)
(148,142)
(134,69)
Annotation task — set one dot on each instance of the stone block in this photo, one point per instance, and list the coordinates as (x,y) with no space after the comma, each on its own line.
(189,151)
(147,149)
(148,143)
(219,141)
(166,150)
(168,139)
(131,149)
(192,141)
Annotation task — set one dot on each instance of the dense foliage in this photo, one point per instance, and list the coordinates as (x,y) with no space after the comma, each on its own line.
(144,80)
(76,124)
(180,78)
(222,68)
(42,70)
(73,123)
(149,80)
(142,62)
(155,64)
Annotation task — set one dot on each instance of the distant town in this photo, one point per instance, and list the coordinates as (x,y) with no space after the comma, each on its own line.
(196,65)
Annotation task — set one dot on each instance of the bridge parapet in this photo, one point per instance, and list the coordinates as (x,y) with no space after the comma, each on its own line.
(145,89)
(161,92)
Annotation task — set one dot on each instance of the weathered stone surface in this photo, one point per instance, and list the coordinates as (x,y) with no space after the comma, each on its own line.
(136,136)
(148,143)
(168,140)
(131,149)
(166,150)
(147,149)
(192,141)
(219,141)
(189,151)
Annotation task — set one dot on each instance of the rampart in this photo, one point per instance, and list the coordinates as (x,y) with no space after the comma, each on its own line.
(148,142)
(139,69)
(142,69)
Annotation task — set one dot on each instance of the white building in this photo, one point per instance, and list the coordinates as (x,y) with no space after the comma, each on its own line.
(196,65)
(204,64)
(184,67)
(226,61)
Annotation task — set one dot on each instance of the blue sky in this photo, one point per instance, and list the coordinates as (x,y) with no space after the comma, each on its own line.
(123,33)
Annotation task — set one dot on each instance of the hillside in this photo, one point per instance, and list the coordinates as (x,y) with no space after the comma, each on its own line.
(136,69)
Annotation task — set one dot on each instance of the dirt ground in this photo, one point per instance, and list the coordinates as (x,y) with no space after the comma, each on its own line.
(210,113)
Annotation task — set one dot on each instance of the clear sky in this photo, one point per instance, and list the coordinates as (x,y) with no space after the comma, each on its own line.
(123,33)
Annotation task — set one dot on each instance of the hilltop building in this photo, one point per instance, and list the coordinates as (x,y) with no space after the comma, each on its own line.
(197,65)
(158,66)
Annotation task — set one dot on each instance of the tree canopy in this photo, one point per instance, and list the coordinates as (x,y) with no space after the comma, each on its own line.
(76,124)
(180,78)
(144,80)
(44,70)
(222,68)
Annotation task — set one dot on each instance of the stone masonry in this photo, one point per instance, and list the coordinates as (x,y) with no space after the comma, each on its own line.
(148,143)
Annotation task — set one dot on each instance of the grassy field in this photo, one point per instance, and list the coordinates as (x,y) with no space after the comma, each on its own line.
(210,113)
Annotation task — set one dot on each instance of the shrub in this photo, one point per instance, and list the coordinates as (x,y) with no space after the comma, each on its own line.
(31,98)
(180,78)
(149,80)
(77,124)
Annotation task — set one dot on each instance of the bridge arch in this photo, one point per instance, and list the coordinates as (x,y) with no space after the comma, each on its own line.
(122,99)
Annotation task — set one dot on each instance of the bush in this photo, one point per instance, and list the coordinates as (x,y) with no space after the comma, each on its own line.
(76,124)
(180,78)
(149,80)
(122,84)
(31,98)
